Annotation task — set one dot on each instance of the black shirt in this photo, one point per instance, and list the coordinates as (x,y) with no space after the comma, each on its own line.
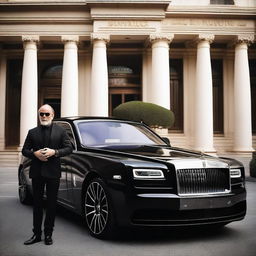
(46,133)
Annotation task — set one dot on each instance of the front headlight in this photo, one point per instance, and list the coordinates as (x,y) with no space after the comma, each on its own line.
(235,173)
(148,174)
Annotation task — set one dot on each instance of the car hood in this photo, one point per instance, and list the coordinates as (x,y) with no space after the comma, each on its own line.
(182,159)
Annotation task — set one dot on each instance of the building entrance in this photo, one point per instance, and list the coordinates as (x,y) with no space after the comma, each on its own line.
(119,96)
(50,84)
(124,73)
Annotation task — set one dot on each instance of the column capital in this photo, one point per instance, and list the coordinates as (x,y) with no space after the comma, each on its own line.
(161,37)
(30,38)
(248,39)
(70,38)
(205,37)
(100,37)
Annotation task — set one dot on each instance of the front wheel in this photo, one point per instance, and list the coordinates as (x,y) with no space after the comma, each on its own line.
(98,211)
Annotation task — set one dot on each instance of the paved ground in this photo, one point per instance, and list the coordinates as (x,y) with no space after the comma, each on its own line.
(72,239)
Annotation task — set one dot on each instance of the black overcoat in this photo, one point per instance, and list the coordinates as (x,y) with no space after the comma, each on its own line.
(59,140)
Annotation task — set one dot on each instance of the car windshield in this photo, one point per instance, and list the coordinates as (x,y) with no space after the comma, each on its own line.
(107,133)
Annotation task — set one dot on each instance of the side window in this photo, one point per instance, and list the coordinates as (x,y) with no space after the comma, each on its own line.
(69,131)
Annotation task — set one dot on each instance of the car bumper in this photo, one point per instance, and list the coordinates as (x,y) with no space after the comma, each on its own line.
(174,210)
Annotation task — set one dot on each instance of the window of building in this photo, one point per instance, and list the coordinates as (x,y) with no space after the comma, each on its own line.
(217,83)
(222,2)
(124,77)
(176,93)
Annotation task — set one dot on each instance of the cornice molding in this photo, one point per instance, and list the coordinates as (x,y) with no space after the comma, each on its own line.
(44,2)
(211,11)
(120,2)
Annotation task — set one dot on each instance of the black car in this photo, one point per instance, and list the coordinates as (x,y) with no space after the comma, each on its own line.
(121,174)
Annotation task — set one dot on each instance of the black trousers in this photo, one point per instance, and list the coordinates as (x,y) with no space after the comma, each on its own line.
(52,186)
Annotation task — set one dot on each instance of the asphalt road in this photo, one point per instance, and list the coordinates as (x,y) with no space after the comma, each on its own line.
(72,239)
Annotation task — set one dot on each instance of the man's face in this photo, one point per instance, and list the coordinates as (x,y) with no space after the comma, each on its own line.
(46,115)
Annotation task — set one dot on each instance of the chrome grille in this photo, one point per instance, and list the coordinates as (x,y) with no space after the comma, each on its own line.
(203,181)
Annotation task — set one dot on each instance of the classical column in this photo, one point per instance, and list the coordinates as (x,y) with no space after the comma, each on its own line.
(99,76)
(203,111)
(2,98)
(69,87)
(29,87)
(160,83)
(242,97)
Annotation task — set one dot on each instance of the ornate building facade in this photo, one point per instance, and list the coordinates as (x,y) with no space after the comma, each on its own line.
(85,57)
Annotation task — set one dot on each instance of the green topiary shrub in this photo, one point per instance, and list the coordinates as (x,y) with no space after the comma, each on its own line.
(253,166)
(148,113)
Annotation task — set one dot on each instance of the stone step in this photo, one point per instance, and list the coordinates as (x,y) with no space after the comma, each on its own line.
(178,140)
(9,158)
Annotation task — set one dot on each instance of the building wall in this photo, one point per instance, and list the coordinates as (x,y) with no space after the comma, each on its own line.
(141,28)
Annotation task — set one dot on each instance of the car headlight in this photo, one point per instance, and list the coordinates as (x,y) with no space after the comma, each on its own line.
(235,173)
(146,174)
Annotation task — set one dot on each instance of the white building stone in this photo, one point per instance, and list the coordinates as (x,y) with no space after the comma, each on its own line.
(197,58)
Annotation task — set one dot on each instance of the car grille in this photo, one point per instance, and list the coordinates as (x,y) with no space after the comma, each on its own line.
(203,181)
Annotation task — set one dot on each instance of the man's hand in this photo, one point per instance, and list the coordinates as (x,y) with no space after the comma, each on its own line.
(44,154)
(40,155)
(48,152)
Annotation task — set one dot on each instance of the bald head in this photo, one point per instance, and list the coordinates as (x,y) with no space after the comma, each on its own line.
(46,114)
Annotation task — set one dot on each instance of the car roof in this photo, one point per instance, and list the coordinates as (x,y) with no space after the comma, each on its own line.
(74,118)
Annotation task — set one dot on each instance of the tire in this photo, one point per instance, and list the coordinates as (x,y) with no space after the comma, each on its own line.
(24,193)
(98,211)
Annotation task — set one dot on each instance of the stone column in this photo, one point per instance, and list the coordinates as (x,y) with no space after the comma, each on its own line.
(29,87)
(99,76)
(2,99)
(69,88)
(160,83)
(203,130)
(242,97)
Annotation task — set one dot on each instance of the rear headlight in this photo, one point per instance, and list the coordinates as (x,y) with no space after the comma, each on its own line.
(148,174)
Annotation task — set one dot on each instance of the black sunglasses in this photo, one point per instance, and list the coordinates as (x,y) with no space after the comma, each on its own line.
(44,114)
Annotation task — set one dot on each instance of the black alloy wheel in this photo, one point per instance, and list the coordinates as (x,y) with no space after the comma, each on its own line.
(97,210)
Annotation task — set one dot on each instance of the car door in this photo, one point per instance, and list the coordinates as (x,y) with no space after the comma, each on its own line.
(65,195)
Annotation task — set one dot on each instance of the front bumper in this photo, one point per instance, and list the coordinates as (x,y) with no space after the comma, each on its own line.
(173,210)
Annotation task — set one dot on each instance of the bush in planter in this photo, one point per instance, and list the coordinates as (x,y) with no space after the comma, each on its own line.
(253,165)
(151,114)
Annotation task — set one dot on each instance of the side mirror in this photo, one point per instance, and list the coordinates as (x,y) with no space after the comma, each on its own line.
(166,140)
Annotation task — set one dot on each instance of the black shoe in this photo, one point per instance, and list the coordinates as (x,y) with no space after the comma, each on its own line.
(48,240)
(33,239)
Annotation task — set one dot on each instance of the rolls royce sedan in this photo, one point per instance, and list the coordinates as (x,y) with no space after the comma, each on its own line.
(122,174)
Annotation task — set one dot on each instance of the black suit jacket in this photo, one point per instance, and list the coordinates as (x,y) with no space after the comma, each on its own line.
(34,141)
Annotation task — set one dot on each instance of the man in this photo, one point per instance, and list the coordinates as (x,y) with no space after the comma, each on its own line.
(44,145)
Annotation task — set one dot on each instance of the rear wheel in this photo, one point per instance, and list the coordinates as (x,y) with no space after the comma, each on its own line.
(24,193)
(98,211)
